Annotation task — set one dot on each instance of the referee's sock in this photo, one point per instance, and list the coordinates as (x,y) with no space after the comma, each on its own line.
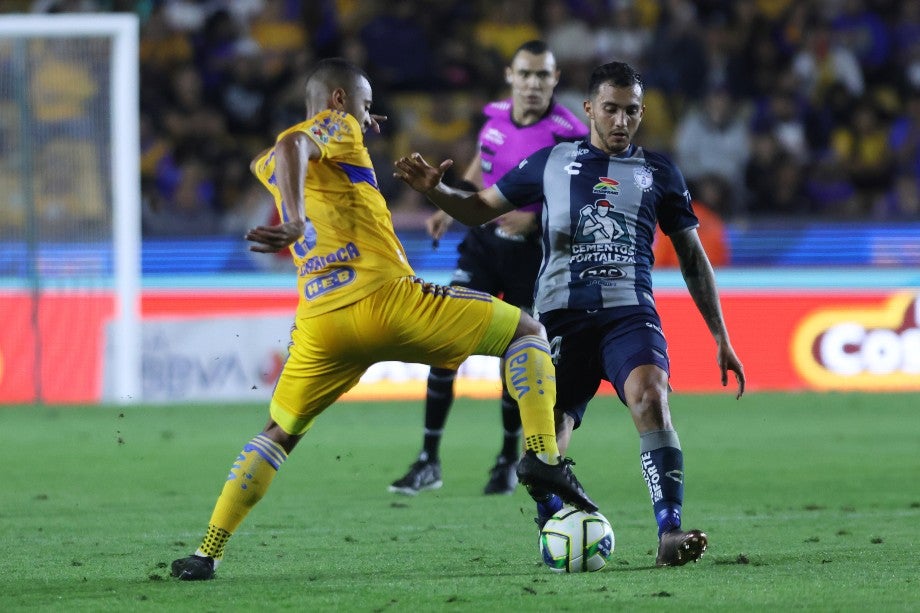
(531,381)
(249,478)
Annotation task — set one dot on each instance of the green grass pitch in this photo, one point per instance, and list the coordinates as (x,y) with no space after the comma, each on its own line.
(811,502)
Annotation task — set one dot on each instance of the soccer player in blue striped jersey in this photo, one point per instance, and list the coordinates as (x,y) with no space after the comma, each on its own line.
(360,303)
(602,199)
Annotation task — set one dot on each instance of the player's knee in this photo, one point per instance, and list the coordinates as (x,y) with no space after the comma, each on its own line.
(528,326)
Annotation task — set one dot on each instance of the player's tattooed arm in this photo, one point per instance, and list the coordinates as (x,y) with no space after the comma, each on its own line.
(701,282)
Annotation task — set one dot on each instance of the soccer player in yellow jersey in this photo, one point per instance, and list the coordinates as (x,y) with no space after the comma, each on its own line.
(360,303)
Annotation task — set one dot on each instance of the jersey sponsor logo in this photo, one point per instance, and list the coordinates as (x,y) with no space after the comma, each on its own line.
(607,186)
(599,222)
(495,136)
(642,175)
(603,253)
(573,168)
(318,262)
(577,153)
(869,349)
(602,270)
(654,327)
(329,282)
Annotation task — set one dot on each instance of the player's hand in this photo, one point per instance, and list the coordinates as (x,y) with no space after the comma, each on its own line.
(728,361)
(272,239)
(437,224)
(419,174)
(518,223)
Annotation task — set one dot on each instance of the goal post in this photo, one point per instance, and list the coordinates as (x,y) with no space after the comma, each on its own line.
(120,184)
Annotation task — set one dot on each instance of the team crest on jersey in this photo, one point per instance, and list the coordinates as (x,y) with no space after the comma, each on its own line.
(607,187)
(643,177)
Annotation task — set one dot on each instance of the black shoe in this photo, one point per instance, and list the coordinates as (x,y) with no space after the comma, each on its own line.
(193,568)
(422,476)
(502,477)
(554,478)
(676,548)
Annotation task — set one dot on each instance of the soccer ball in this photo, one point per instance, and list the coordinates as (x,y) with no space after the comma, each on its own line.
(573,541)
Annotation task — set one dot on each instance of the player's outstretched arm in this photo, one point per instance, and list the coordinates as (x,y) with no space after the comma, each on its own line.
(701,282)
(470,208)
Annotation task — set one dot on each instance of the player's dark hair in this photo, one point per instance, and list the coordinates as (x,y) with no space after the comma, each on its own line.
(536,47)
(336,72)
(620,74)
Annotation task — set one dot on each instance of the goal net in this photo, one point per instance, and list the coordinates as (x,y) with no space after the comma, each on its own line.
(69,209)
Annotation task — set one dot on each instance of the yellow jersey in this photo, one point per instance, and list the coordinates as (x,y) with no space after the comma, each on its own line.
(349,247)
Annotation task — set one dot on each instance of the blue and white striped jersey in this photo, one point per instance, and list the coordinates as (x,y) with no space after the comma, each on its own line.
(599,216)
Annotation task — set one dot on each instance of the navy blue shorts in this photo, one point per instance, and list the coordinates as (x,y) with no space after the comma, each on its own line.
(499,266)
(606,344)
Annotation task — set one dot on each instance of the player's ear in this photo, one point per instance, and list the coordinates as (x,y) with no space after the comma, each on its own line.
(587,105)
(508,75)
(337,99)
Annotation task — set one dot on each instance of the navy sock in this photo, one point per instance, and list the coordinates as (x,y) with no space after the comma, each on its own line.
(547,508)
(511,424)
(440,396)
(663,469)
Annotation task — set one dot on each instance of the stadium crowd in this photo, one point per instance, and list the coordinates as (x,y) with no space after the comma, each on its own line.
(792,108)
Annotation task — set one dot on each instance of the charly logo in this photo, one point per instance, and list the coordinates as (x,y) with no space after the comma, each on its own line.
(862,349)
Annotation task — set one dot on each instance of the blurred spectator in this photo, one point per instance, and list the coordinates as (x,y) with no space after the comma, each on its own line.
(186,203)
(864,32)
(677,62)
(905,135)
(244,97)
(864,150)
(622,38)
(774,180)
(823,61)
(278,33)
(783,115)
(830,191)
(713,140)
(901,202)
(503,26)
(397,47)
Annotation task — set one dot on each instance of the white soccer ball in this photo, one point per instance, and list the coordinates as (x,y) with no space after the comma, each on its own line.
(573,541)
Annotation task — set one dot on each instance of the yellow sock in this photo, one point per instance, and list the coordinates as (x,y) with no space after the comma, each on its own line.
(247,482)
(531,380)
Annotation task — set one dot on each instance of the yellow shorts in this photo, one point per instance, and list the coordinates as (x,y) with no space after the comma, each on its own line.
(406,320)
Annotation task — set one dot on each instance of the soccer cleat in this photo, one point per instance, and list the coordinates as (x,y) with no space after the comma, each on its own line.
(193,568)
(423,475)
(502,477)
(554,478)
(676,548)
